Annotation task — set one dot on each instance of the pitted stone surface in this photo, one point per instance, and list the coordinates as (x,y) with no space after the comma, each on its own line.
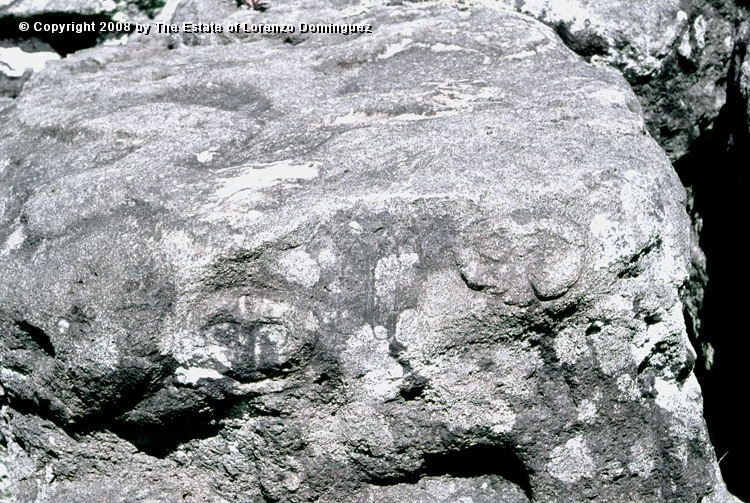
(442,263)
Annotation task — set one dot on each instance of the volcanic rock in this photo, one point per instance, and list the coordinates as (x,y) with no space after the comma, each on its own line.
(676,54)
(442,262)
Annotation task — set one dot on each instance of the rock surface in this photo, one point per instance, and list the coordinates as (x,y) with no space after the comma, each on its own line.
(675,54)
(442,262)
(17,66)
(5,494)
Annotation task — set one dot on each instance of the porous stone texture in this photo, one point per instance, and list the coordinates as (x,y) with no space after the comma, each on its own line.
(675,54)
(5,495)
(439,263)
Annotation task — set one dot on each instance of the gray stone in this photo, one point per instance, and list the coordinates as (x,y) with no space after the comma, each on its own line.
(741,52)
(10,87)
(17,66)
(482,489)
(5,495)
(675,53)
(442,262)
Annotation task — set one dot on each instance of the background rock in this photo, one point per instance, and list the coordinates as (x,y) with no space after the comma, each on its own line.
(122,10)
(5,494)
(716,169)
(345,268)
(674,53)
(18,62)
(32,42)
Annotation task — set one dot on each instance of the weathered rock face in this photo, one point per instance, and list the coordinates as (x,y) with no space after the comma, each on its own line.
(5,495)
(675,53)
(441,262)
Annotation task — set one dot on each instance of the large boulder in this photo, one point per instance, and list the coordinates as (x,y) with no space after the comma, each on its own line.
(441,262)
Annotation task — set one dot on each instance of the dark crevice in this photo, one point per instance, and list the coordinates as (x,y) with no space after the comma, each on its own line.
(473,461)
(85,31)
(474,286)
(158,431)
(668,351)
(413,387)
(146,403)
(151,408)
(715,169)
(147,408)
(395,348)
(161,439)
(412,393)
(634,267)
(324,377)
(546,298)
(37,335)
(594,328)
(404,478)
(557,315)
(62,43)
(685,370)
(586,44)
(479,460)
(263,373)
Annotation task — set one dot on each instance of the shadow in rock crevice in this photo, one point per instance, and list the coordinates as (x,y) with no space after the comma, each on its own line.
(64,43)
(716,170)
(473,461)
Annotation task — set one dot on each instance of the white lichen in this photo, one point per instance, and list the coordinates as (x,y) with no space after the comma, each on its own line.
(572,461)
